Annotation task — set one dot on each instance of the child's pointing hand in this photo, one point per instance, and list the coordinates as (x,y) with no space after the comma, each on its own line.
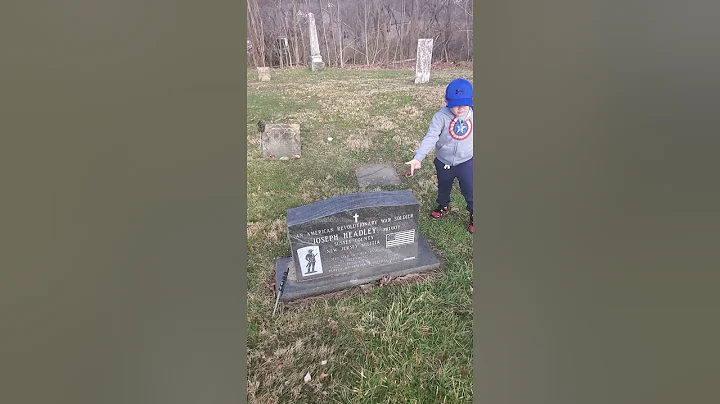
(414,165)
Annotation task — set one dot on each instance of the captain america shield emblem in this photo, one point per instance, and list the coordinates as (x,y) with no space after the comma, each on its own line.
(460,130)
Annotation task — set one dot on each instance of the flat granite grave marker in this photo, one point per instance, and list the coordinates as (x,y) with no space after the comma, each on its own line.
(280,140)
(350,240)
(376,175)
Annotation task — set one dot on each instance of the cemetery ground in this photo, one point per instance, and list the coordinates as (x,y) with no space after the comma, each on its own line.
(397,341)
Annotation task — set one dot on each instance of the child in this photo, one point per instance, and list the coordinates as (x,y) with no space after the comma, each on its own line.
(450,133)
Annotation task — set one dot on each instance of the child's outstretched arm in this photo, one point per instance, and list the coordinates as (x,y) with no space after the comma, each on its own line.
(427,144)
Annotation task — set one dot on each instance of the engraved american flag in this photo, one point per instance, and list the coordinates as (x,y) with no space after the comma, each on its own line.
(400,238)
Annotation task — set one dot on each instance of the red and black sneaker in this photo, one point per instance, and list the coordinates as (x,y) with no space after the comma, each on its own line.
(439,212)
(471,228)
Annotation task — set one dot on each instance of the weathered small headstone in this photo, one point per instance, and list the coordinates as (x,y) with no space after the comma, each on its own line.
(377,175)
(279,140)
(264,73)
(424,59)
(350,240)
(316,62)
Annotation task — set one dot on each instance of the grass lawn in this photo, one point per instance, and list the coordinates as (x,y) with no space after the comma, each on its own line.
(383,344)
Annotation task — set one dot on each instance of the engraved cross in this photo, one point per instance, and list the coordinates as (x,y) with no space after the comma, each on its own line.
(356,217)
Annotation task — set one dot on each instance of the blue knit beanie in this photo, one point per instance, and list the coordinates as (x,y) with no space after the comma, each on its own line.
(459,92)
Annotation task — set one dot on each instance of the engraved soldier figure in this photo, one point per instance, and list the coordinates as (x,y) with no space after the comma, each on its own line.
(310,258)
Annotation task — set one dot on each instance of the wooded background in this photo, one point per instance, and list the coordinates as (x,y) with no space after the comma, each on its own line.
(358,32)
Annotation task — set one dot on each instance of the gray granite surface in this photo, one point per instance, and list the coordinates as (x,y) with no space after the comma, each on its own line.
(353,239)
(377,175)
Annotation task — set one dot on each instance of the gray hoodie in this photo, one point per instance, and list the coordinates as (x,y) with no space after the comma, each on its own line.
(452,138)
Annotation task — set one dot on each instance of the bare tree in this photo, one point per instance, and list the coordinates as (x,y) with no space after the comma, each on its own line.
(295,31)
(342,60)
(467,29)
(285,24)
(367,51)
(379,31)
(256,30)
(400,34)
(323,13)
(252,38)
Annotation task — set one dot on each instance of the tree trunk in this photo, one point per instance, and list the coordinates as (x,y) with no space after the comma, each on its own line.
(367,51)
(295,31)
(414,29)
(401,31)
(448,31)
(377,34)
(467,32)
(308,49)
(332,33)
(251,35)
(285,50)
(342,60)
(262,33)
(386,36)
(322,21)
(258,43)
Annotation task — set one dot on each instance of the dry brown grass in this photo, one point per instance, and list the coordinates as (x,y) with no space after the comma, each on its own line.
(270,230)
(273,369)
(359,141)
(254,229)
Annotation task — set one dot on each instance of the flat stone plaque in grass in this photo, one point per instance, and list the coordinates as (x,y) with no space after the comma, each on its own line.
(352,239)
(377,175)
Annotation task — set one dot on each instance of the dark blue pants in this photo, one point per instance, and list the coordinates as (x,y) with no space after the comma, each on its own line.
(464,173)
